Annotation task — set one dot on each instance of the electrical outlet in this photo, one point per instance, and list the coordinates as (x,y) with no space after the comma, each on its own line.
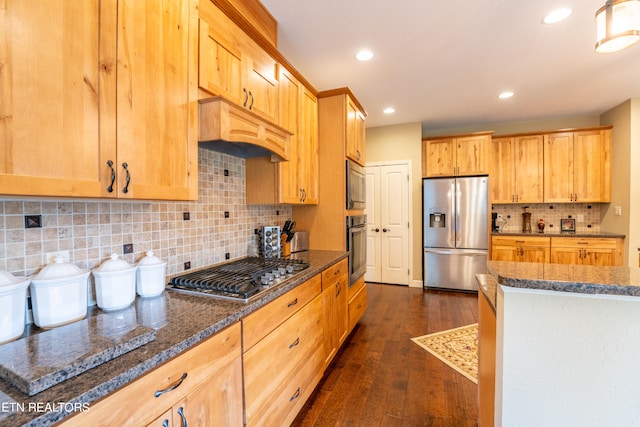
(618,210)
(127,248)
(187,265)
(580,218)
(51,255)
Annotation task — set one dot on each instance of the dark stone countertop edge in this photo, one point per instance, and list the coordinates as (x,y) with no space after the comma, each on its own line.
(627,284)
(138,363)
(487,287)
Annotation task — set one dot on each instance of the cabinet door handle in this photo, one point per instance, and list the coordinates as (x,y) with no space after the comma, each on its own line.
(183,417)
(292,303)
(358,154)
(171,387)
(165,423)
(338,289)
(251,105)
(128,178)
(304,195)
(295,343)
(113,176)
(295,395)
(246,96)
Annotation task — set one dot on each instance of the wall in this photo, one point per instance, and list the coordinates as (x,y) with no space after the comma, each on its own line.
(93,229)
(566,359)
(625,119)
(403,142)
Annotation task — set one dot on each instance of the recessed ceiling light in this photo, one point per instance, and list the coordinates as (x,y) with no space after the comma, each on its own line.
(557,16)
(364,55)
(505,95)
(389,110)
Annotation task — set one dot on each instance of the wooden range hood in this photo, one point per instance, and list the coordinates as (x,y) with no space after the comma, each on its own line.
(234,130)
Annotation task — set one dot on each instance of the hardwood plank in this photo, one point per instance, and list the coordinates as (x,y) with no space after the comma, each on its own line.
(381,378)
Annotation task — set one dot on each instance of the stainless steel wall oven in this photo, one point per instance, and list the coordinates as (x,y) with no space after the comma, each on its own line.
(357,246)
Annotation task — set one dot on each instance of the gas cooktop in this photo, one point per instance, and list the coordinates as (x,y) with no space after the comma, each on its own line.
(238,280)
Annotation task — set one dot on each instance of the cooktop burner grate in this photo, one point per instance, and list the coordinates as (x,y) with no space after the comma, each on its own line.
(240,279)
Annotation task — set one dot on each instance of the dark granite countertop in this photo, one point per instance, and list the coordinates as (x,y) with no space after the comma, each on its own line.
(488,288)
(591,234)
(584,279)
(180,321)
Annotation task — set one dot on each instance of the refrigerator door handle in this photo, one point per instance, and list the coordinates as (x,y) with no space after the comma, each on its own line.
(452,215)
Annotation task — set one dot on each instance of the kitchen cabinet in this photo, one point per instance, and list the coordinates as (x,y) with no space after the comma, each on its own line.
(456,155)
(517,169)
(357,297)
(577,166)
(295,181)
(520,248)
(486,361)
(335,283)
(283,360)
(235,67)
(587,251)
(202,386)
(99,72)
(326,221)
(355,139)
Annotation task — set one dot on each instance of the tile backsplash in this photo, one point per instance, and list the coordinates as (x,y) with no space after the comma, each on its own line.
(551,213)
(91,230)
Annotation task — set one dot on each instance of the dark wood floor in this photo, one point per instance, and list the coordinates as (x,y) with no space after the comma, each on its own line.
(382,378)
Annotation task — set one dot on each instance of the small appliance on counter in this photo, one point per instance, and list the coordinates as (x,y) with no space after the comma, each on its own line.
(300,241)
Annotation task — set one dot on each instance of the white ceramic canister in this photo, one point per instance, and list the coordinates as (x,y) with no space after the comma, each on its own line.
(13,302)
(59,294)
(115,284)
(151,276)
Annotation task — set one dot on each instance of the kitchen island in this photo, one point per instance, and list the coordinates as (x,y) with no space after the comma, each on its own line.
(567,339)
(181,321)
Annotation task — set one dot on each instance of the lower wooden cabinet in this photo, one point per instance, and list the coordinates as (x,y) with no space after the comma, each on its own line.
(520,248)
(283,368)
(357,302)
(586,251)
(202,386)
(335,283)
(486,362)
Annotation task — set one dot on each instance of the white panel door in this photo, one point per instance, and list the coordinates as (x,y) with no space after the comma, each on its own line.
(388,224)
(373,273)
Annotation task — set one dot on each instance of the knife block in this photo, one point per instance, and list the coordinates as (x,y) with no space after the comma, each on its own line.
(285,247)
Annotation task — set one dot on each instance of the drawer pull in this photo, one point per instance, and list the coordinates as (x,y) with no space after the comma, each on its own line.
(292,303)
(165,423)
(295,395)
(183,417)
(520,241)
(172,387)
(295,343)
(583,243)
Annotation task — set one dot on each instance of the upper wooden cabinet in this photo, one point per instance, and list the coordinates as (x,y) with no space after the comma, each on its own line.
(456,155)
(64,87)
(516,169)
(235,67)
(295,181)
(577,166)
(355,140)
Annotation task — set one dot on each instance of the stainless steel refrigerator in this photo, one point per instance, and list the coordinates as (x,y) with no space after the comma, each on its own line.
(455,231)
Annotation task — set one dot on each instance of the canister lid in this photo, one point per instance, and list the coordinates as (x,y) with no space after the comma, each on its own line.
(114,263)
(7,279)
(58,269)
(150,260)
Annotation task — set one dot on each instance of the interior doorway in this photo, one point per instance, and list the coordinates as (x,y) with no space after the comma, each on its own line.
(388,208)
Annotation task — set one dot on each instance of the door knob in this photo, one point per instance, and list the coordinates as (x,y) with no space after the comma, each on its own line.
(384,230)
(377,230)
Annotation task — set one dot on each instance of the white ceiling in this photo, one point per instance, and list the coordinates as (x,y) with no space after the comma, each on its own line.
(444,62)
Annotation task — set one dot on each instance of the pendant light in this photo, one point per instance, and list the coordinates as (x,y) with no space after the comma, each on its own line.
(617,25)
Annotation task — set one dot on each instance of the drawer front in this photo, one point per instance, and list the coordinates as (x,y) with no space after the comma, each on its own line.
(576,242)
(199,363)
(357,307)
(279,354)
(260,323)
(520,241)
(292,394)
(337,272)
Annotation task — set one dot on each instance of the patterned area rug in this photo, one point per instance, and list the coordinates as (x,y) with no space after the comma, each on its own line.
(457,348)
